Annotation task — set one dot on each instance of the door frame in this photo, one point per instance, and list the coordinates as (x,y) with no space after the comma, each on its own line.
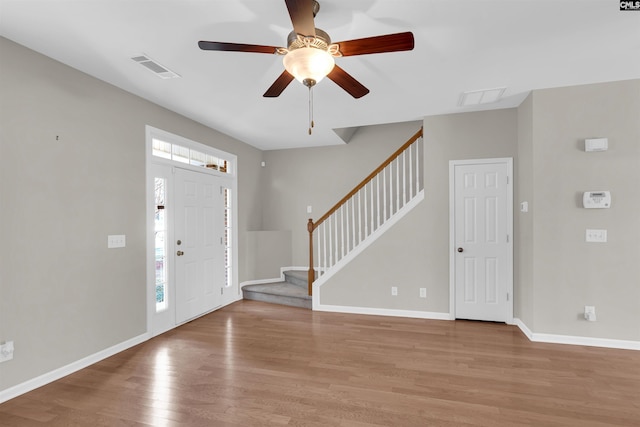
(153,164)
(508,161)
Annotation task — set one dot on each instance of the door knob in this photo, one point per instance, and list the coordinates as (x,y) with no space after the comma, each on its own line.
(460,250)
(180,253)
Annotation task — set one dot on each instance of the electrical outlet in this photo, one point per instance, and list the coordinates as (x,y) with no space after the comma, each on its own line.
(394,291)
(423,292)
(597,236)
(6,351)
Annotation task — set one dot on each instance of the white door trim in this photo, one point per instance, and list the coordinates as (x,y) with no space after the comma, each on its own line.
(508,161)
(231,293)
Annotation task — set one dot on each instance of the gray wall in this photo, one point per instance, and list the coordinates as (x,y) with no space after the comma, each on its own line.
(568,273)
(415,252)
(72,171)
(524,274)
(556,273)
(266,253)
(320,176)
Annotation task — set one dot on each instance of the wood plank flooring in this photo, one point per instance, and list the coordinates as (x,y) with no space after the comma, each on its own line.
(256,364)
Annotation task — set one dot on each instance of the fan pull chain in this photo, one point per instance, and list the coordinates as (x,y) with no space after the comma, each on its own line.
(311,124)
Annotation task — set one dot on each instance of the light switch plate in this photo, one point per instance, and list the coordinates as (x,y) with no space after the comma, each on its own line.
(6,351)
(116,241)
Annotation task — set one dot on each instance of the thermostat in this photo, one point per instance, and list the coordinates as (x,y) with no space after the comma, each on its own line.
(596,199)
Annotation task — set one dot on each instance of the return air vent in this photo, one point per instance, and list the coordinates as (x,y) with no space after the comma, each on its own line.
(157,69)
(477,97)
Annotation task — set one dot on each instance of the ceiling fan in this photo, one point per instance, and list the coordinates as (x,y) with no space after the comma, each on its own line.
(309,55)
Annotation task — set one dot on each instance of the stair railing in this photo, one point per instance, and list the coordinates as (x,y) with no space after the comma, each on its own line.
(365,208)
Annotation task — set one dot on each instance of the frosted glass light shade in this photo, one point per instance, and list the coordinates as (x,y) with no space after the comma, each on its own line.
(308,63)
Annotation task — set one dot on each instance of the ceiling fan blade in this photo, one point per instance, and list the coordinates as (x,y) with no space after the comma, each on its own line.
(236,47)
(378,44)
(301,13)
(279,85)
(348,83)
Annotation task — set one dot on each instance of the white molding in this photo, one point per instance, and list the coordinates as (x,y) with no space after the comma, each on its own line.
(525,330)
(56,374)
(260,282)
(152,164)
(382,312)
(576,340)
(317,284)
(283,269)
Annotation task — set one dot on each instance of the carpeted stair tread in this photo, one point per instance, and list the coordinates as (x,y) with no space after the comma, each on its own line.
(293,291)
(279,288)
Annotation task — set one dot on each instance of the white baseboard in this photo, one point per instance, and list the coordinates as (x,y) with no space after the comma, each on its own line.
(56,374)
(575,340)
(381,312)
(259,282)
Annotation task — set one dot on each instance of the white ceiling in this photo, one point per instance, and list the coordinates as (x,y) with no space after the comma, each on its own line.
(461,45)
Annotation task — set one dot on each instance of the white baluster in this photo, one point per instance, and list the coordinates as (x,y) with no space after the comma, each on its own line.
(404,177)
(378,201)
(372,221)
(324,247)
(384,195)
(359,218)
(411,171)
(366,212)
(342,230)
(418,169)
(397,184)
(336,244)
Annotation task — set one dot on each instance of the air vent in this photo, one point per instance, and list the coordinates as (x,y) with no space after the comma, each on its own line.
(153,66)
(484,96)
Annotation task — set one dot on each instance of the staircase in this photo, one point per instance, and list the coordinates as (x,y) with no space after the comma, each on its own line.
(351,225)
(293,291)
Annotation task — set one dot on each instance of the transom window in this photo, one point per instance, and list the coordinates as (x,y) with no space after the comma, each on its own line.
(189,156)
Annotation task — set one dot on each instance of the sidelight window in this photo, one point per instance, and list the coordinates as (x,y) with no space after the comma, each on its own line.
(160,230)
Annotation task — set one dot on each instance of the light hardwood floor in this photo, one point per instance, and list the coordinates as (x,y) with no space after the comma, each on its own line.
(255,364)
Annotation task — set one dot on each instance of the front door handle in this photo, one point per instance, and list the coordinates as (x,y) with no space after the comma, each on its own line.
(460,250)
(180,253)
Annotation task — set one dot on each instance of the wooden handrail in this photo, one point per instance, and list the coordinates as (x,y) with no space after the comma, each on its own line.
(367,179)
(311,226)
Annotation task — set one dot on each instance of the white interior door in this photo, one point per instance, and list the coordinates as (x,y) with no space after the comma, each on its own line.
(481,240)
(199,265)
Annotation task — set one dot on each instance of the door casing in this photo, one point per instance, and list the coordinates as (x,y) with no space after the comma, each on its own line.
(160,167)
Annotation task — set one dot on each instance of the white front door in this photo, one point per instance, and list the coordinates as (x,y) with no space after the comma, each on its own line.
(199,264)
(482,282)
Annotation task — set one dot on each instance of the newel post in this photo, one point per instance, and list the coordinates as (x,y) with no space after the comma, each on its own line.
(311,275)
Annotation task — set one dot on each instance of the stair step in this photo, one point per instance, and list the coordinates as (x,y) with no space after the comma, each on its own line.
(284,293)
(297,277)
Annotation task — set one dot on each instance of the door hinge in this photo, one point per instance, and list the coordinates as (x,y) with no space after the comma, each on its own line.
(507,238)
(221,291)
(508,296)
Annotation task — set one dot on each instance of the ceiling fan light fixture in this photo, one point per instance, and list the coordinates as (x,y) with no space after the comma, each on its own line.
(308,65)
